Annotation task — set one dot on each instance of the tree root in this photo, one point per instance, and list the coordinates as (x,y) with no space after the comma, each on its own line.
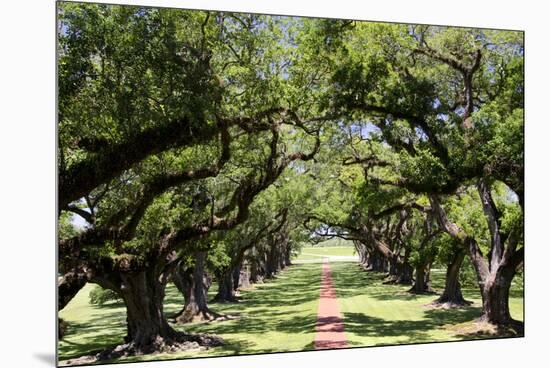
(446,303)
(512,328)
(482,328)
(200,316)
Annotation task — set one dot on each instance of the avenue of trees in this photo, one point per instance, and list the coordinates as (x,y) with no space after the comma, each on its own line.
(206,147)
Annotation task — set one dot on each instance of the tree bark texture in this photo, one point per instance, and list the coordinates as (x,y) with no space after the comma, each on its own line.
(194,285)
(452,294)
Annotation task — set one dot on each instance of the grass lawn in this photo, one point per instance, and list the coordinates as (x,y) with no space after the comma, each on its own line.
(320,252)
(280,315)
(387,314)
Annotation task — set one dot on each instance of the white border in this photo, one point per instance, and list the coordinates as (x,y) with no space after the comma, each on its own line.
(27,184)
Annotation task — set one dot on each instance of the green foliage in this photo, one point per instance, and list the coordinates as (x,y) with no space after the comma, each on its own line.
(65,227)
(100,296)
(123,69)
(467,276)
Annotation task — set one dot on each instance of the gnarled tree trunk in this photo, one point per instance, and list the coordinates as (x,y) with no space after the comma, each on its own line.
(376,262)
(194,285)
(452,294)
(148,329)
(226,290)
(495,295)
(142,288)
(400,270)
(421,280)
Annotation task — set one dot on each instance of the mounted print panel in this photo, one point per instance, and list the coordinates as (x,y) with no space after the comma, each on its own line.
(234,183)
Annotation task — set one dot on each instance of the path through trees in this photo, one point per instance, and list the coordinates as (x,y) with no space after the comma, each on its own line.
(330,327)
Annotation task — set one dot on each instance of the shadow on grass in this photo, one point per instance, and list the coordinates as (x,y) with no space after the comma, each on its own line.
(413,331)
(351,282)
(259,311)
(260,308)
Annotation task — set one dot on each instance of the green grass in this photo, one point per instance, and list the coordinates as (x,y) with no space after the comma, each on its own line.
(280,315)
(320,252)
(378,314)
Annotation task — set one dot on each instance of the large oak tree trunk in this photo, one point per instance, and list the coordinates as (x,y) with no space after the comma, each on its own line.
(226,290)
(148,329)
(244,276)
(421,280)
(194,285)
(452,294)
(495,295)
(376,262)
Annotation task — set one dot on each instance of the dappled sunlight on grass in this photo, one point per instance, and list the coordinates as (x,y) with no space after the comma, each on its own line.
(378,314)
(280,315)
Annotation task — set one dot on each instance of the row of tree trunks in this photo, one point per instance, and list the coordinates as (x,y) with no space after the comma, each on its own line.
(400,270)
(376,262)
(254,268)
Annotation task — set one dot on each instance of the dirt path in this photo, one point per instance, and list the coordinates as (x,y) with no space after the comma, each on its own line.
(330,327)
